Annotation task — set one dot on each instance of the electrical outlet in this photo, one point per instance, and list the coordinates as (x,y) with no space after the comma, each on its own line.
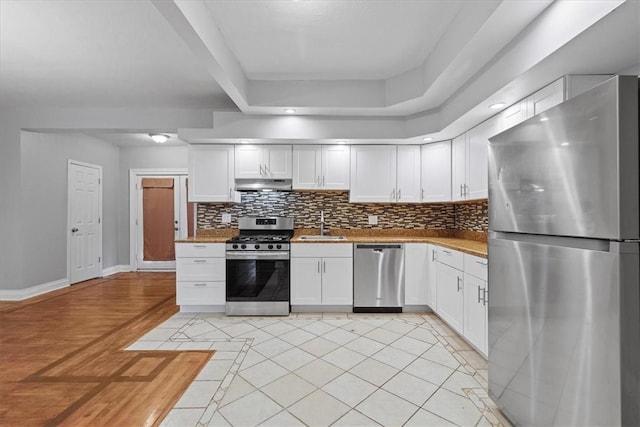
(373,219)
(226,217)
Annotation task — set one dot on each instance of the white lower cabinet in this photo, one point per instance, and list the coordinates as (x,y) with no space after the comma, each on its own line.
(322,274)
(416,291)
(200,276)
(450,293)
(475,312)
(432,264)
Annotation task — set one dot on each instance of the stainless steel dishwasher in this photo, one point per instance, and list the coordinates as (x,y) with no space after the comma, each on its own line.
(378,278)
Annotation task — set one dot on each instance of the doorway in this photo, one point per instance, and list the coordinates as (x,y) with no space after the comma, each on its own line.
(161,215)
(84,221)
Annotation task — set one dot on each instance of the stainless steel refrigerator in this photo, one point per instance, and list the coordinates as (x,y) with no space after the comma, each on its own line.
(564,263)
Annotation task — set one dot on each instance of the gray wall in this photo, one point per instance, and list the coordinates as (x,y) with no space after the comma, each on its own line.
(156,157)
(44,213)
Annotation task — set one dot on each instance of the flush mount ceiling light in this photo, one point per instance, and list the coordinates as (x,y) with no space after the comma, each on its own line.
(544,119)
(159,138)
(290,110)
(428,138)
(497,105)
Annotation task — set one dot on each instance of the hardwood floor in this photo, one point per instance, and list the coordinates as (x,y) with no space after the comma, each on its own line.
(62,360)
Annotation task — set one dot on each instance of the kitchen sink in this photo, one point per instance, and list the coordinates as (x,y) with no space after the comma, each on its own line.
(319,237)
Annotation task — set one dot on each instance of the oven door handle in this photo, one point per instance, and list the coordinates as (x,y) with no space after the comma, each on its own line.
(263,255)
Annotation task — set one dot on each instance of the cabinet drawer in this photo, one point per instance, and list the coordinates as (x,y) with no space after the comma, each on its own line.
(196,250)
(476,266)
(322,250)
(200,293)
(451,257)
(200,269)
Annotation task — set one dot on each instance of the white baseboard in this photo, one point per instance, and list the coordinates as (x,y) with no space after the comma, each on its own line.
(32,291)
(115,269)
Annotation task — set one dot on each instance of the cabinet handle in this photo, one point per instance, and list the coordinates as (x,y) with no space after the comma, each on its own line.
(459,280)
(266,170)
(433,254)
(318,181)
(318,267)
(261,170)
(422,194)
(399,193)
(482,262)
(446,252)
(486,296)
(199,260)
(460,190)
(230,191)
(393,194)
(324,266)
(199,246)
(199,284)
(466,191)
(479,294)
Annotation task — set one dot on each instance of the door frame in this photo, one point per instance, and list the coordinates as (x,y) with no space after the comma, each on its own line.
(70,219)
(134,174)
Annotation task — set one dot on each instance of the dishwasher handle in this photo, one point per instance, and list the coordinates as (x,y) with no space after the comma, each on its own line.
(377,248)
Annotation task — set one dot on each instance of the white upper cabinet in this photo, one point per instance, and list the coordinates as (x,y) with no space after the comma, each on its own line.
(408,174)
(335,167)
(436,172)
(514,115)
(263,161)
(373,173)
(317,167)
(211,171)
(469,162)
(458,166)
(547,97)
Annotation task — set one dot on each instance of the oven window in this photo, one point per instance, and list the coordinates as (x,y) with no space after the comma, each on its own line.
(257,280)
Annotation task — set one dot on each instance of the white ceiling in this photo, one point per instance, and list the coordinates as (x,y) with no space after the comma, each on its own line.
(331,40)
(397,69)
(98,53)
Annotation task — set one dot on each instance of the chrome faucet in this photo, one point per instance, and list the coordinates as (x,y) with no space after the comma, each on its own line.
(323,229)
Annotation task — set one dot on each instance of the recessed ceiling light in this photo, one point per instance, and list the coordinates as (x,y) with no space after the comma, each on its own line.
(497,105)
(564,144)
(544,119)
(289,110)
(244,142)
(341,142)
(428,138)
(159,138)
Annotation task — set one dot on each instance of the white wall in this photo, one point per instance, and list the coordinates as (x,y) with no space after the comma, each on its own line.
(44,235)
(157,157)
(13,247)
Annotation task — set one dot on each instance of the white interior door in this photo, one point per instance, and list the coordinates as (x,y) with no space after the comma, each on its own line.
(178,227)
(85,228)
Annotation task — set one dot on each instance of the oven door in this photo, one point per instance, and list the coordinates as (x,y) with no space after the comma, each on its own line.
(259,276)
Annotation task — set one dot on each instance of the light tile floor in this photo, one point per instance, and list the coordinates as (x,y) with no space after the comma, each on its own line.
(331,369)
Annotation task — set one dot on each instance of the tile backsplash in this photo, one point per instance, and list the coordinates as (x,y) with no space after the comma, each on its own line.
(305,207)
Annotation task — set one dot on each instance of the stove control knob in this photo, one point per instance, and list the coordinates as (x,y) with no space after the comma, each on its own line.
(243,246)
(257,246)
(270,246)
(278,246)
(235,246)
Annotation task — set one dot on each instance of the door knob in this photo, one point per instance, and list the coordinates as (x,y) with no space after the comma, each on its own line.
(73,230)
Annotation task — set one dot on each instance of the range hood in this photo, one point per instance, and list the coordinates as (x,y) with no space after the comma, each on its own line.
(261,184)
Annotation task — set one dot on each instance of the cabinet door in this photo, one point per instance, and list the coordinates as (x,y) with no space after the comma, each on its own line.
(547,97)
(436,172)
(450,295)
(335,167)
(408,173)
(475,312)
(373,173)
(249,161)
(458,167)
(306,281)
(477,159)
(307,173)
(432,263)
(337,281)
(416,274)
(514,115)
(277,161)
(211,173)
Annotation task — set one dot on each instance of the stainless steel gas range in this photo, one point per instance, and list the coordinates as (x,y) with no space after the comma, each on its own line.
(258,270)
